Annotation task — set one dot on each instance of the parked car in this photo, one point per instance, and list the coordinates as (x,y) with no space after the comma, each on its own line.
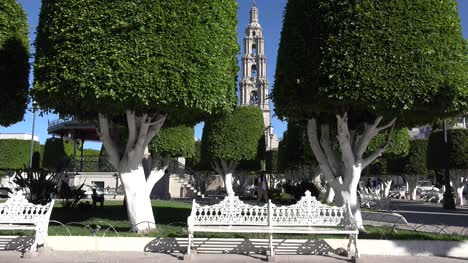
(89,192)
(424,186)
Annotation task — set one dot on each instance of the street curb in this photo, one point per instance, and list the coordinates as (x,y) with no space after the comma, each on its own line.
(458,249)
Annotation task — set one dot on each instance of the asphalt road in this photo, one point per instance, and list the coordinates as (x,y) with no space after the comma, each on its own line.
(430,213)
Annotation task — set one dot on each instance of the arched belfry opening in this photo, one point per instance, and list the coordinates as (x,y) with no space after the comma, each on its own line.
(254,49)
(254,71)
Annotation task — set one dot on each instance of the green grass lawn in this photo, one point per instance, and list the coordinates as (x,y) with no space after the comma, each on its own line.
(171,217)
(171,220)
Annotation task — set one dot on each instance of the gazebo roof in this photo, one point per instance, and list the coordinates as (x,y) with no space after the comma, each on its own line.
(73,129)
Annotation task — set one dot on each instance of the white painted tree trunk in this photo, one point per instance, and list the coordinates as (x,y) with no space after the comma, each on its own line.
(228,184)
(226,169)
(348,194)
(126,155)
(153,179)
(413,192)
(387,185)
(460,200)
(330,194)
(411,185)
(458,179)
(155,169)
(139,207)
(342,168)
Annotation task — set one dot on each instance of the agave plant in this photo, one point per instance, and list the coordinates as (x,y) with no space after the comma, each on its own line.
(71,195)
(39,185)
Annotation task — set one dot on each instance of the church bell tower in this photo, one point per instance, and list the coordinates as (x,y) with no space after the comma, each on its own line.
(254,87)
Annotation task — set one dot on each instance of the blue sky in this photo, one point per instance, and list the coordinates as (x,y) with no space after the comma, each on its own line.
(270,18)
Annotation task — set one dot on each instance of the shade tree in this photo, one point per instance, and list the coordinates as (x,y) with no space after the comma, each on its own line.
(452,155)
(299,162)
(299,155)
(415,166)
(170,143)
(130,65)
(352,68)
(57,153)
(14,62)
(231,139)
(388,165)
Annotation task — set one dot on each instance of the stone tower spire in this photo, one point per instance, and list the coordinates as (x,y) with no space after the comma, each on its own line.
(254,86)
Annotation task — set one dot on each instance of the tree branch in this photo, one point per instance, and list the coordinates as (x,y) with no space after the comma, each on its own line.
(331,154)
(106,139)
(157,119)
(355,143)
(224,166)
(231,166)
(132,128)
(374,155)
(344,140)
(377,153)
(155,128)
(215,165)
(154,177)
(370,131)
(391,123)
(317,149)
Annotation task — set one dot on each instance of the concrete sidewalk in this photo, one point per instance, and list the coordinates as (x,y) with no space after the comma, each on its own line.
(142,257)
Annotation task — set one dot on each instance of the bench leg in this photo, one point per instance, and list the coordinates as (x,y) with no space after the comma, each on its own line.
(356,252)
(188,256)
(349,243)
(40,236)
(271,257)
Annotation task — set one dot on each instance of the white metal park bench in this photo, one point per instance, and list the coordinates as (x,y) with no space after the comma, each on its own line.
(374,201)
(307,216)
(18,214)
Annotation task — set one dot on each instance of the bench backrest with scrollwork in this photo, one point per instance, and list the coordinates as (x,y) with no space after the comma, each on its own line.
(230,211)
(17,210)
(306,212)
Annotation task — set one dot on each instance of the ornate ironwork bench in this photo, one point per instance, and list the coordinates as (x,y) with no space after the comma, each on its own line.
(308,216)
(18,214)
(374,201)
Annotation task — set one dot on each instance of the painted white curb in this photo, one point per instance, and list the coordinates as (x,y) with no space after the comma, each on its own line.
(457,249)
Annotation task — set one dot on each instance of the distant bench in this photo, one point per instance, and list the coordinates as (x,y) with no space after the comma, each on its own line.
(374,201)
(18,214)
(308,216)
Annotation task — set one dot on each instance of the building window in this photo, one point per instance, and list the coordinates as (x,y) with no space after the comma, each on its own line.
(254,49)
(253,98)
(254,71)
(253,33)
(98,184)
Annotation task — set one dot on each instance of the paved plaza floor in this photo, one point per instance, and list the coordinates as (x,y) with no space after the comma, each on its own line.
(141,257)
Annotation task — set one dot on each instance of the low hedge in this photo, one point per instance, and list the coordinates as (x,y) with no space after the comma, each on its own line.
(455,152)
(57,152)
(15,154)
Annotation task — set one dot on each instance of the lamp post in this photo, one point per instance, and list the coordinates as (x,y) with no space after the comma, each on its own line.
(448,203)
(116,184)
(31,149)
